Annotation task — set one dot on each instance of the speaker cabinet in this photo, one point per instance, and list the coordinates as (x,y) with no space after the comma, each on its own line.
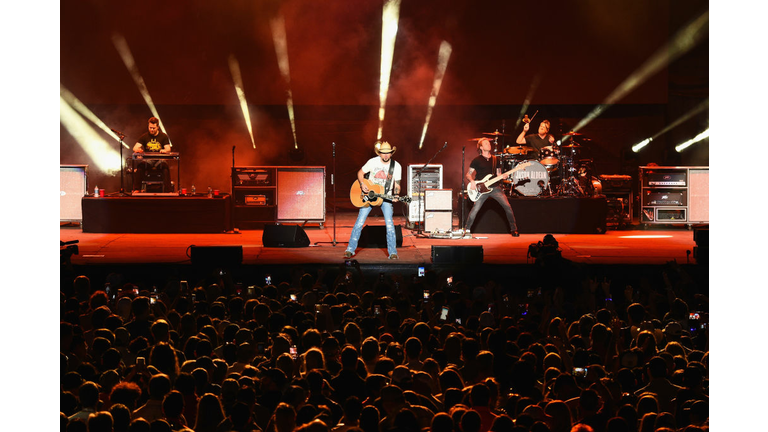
(438,199)
(216,256)
(375,236)
(438,221)
(457,254)
(73,181)
(301,194)
(698,196)
(284,236)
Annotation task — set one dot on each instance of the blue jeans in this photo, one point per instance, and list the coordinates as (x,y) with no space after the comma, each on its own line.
(386,208)
(499,196)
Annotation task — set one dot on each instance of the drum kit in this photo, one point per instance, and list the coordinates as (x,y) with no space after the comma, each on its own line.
(556,170)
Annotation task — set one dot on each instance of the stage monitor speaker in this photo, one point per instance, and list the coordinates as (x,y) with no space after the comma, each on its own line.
(284,236)
(73,181)
(301,194)
(701,250)
(438,221)
(375,236)
(216,256)
(438,199)
(457,254)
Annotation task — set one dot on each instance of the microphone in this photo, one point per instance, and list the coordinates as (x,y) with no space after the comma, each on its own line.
(446,144)
(116,132)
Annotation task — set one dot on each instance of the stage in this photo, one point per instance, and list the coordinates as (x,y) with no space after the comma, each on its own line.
(637,245)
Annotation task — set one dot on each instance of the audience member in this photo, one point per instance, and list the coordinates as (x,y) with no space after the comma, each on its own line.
(378,358)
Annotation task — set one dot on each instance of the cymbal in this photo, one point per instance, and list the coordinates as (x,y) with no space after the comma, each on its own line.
(476,139)
(518,149)
(571,146)
(572,133)
(497,133)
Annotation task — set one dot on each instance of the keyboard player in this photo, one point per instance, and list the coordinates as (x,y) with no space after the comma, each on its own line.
(153,141)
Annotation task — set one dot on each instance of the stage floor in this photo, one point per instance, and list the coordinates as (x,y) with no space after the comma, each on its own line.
(636,245)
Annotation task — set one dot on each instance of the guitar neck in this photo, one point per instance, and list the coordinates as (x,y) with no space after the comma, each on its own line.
(498,177)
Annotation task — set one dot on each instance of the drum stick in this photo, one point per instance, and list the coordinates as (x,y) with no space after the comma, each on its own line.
(534,115)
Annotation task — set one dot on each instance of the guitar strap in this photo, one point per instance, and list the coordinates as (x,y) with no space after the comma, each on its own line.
(389,177)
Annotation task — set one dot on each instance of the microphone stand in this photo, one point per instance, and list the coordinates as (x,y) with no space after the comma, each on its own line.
(120,137)
(232,198)
(333,183)
(463,186)
(418,189)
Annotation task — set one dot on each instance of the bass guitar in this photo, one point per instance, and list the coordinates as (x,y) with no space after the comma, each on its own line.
(484,186)
(374,197)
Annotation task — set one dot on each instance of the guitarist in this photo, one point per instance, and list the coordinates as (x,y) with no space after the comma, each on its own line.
(381,170)
(481,166)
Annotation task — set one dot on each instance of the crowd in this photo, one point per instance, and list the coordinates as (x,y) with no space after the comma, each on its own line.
(393,354)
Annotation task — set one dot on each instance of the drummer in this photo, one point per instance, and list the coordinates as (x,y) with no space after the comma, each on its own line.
(537,140)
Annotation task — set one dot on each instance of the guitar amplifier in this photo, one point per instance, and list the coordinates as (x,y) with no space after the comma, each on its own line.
(664,198)
(256,200)
(438,199)
(435,221)
(252,177)
(616,183)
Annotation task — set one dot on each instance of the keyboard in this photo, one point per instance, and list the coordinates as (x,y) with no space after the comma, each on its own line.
(147,155)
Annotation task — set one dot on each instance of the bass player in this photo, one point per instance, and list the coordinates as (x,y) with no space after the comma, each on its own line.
(484,165)
(381,170)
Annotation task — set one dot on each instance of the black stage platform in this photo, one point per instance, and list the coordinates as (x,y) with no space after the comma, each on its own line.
(160,214)
(200,214)
(564,215)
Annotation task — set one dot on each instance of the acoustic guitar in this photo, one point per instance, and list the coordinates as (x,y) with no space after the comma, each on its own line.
(374,197)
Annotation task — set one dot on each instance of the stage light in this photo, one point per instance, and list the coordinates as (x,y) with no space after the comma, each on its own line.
(636,148)
(700,107)
(281,49)
(389,24)
(234,68)
(690,142)
(80,107)
(106,158)
(125,53)
(442,63)
(682,42)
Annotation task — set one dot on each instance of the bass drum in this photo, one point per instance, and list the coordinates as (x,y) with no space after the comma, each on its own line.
(530,178)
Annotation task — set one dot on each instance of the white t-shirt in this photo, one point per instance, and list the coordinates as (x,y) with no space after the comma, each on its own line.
(379,171)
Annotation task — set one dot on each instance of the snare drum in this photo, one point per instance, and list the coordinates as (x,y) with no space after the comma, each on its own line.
(530,178)
(549,157)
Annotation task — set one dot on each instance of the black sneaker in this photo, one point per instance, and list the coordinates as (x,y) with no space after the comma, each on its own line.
(394,256)
(348,254)
(515,234)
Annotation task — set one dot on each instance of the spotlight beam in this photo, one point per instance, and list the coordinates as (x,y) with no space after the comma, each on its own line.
(234,68)
(125,53)
(442,64)
(281,50)
(682,42)
(390,17)
(531,91)
(80,107)
(106,158)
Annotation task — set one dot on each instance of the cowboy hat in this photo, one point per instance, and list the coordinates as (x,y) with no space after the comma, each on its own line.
(384,147)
